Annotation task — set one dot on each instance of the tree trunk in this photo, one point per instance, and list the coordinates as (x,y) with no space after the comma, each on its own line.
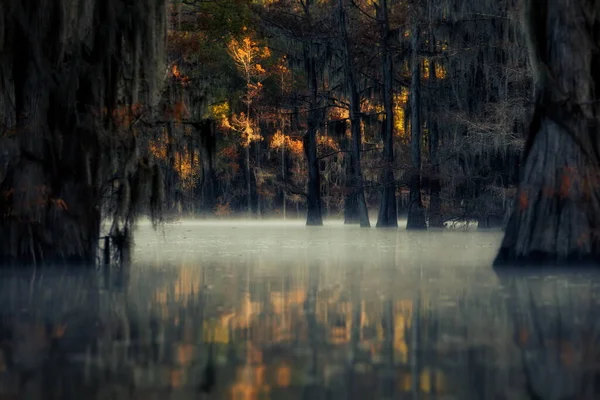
(358,189)
(556,215)
(48,209)
(436,219)
(416,211)
(248,180)
(208,150)
(350,202)
(313,201)
(66,157)
(387,210)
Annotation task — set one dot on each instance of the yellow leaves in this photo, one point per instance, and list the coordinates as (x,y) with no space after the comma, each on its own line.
(294,146)
(339,113)
(327,142)
(245,127)
(277,140)
(186,165)
(440,71)
(247,54)
(400,101)
(219,110)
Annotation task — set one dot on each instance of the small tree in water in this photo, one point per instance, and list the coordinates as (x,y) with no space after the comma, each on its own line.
(557,213)
(75,76)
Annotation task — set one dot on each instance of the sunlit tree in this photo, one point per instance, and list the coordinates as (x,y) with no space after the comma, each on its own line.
(248,55)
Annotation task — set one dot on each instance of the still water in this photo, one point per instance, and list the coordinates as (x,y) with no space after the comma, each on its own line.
(265,310)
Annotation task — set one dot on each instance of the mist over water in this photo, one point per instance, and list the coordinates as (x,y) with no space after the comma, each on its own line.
(277,310)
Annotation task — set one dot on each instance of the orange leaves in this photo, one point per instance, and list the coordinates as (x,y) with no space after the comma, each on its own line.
(175,71)
(247,54)
(178,76)
(242,124)
(186,165)
(277,140)
(294,146)
(327,143)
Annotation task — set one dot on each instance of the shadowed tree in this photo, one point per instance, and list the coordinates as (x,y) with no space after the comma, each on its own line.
(74,77)
(557,211)
(358,192)
(416,211)
(387,216)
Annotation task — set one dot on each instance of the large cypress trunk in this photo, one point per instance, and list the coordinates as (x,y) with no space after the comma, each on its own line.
(61,69)
(387,216)
(556,216)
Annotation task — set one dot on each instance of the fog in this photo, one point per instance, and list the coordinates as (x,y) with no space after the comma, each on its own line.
(276,310)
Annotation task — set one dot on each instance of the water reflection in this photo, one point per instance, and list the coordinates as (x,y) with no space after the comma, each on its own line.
(343,324)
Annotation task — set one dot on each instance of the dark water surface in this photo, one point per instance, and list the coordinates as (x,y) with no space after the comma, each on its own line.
(280,311)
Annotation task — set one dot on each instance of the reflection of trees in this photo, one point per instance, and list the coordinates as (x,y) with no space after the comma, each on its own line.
(317,330)
(556,332)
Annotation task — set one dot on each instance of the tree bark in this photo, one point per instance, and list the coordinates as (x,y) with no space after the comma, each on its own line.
(208,150)
(416,211)
(48,209)
(556,216)
(358,192)
(313,201)
(387,216)
(66,156)
(436,219)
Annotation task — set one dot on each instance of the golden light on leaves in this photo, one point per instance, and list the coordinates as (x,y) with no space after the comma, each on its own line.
(277,140)
(294,146)
(326,142)
(186,165)
(400,101)
(440,71)
(184,79)
(175,71)
(244,126)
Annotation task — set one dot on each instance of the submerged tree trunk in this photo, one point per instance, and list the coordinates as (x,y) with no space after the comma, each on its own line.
(358,192)
(416,211)
(387,216)
(313,201)
(556,216)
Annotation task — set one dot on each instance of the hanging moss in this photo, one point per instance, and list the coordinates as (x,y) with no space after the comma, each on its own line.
(74,76)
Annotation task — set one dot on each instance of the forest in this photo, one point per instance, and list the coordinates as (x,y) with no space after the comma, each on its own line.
(368,110)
